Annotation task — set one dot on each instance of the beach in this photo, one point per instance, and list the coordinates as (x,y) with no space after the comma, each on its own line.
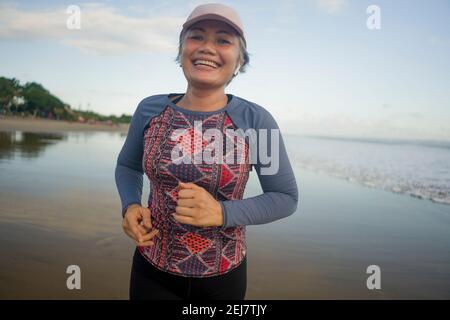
(358,98)
(46,125)
(59,207)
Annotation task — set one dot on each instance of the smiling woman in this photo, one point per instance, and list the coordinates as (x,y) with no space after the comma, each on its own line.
(221,33)
(212,70)
(191,236)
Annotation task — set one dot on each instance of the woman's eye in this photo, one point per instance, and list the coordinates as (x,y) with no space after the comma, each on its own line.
(221,41)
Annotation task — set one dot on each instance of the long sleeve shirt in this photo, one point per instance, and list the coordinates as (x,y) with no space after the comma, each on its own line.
(170,144)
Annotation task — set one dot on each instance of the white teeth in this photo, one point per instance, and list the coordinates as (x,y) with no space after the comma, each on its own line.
(209,63)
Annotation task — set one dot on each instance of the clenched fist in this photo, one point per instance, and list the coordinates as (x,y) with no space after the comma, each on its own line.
(197,207)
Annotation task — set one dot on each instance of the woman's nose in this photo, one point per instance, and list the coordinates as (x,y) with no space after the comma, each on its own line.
(207,46)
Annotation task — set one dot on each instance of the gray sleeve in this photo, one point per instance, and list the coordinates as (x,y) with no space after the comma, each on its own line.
(129,172)
(280,197)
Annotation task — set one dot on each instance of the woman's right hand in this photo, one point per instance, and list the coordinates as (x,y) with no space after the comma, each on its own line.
(138,226)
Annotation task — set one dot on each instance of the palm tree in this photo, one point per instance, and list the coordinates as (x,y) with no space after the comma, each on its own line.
(10,93)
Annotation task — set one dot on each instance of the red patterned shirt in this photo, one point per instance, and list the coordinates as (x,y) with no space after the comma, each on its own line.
(157,128)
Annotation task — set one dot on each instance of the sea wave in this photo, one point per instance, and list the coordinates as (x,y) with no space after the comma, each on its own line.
(410,168)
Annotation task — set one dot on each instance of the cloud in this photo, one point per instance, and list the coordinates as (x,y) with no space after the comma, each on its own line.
(332,6)
(104,30)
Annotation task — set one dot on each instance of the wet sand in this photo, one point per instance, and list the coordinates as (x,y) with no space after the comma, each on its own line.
(45,125)
(321,252)
(59,206)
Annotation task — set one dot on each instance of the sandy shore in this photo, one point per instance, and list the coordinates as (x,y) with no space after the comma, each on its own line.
(45,125)
(320,252)
(59,206)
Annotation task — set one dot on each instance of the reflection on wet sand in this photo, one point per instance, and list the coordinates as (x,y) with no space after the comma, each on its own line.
(26,144)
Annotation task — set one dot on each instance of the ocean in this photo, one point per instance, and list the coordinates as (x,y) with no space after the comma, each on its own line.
(417,168)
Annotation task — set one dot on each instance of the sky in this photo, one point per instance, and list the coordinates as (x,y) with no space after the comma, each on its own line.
(315,65)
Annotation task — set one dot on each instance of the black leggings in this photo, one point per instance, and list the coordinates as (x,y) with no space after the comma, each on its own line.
(149,283)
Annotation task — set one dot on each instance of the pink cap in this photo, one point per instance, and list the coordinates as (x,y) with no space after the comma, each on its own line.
(216,11)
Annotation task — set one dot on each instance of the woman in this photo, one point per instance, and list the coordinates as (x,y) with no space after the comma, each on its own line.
(190,238)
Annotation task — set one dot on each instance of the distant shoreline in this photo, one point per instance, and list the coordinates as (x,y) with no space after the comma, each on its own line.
(47,125)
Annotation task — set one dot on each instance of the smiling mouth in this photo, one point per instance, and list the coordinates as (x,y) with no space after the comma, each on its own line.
(207,63)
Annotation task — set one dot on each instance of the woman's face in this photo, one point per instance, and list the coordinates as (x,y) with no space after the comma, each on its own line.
(217,43)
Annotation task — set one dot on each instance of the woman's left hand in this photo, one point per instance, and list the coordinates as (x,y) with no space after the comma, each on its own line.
(197,207)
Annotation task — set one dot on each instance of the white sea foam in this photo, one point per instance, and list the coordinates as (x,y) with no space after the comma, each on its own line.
(418,168)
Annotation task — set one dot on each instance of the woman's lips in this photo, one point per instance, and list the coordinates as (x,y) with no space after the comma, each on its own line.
(205,67)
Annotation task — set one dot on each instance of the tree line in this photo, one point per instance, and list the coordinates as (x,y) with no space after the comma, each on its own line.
(33,100)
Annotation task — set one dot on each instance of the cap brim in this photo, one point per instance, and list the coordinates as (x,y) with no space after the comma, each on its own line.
(189,23)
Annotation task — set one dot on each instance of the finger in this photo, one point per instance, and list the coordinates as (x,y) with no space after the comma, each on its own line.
(138,216)
(186,193)
(184,219)
(190,212)
(147,218)
(188,185)
(150,235)
(131,234)
(188,203)
(145,236)
(136,233)
(143,230)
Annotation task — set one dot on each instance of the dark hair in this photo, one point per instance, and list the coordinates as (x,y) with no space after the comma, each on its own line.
(244,56)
